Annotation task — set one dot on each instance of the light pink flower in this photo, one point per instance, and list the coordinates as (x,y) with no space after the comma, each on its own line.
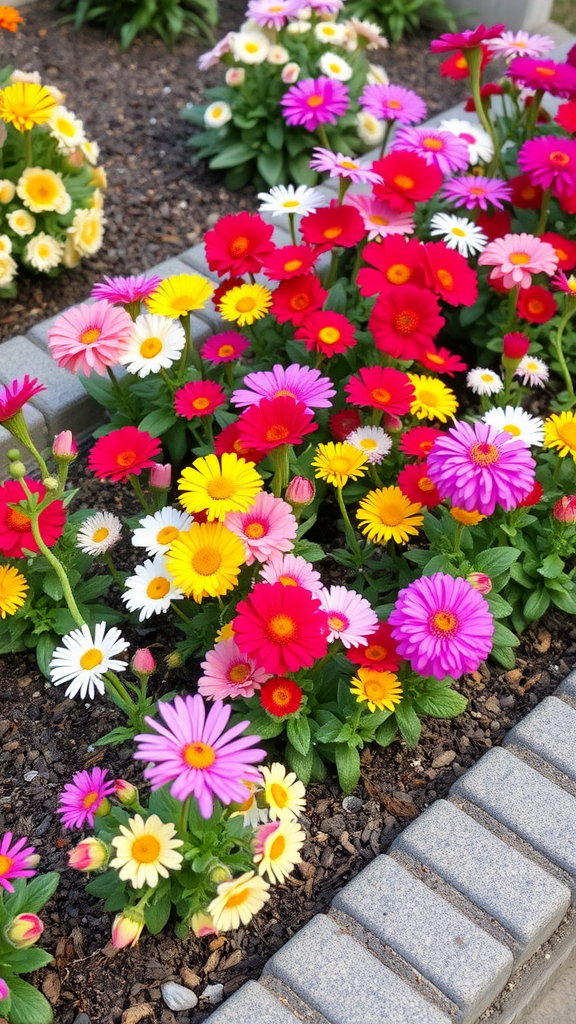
(441,149)
(351,617)
(379,219)
(229,673)
(292,571)
(340,166)
(273,13)
(211,57)
(516,257)
(520,44)
(87,338)
(268,527)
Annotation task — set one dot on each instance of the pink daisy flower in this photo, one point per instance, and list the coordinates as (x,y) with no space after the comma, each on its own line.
(272,13)
(15,862)
(88,338)
(550,163)
(315,101)
(81,798)
(471,190)
(269,527)
(516,257)
(442,625)
(340,166)
(225,347)
(380,220)
(229,673)
(469,39)
(443,150)
(13,396)
(520,44)
(125,290)
(351,617)
(292,571)
(198,755)
(212,57)
(565,283)
(478,467)
(301,383)
(557,79)
(393,103)
(198,398)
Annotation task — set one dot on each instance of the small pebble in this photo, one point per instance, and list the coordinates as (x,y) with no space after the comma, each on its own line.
(351,803)
(177,997)
(214,994)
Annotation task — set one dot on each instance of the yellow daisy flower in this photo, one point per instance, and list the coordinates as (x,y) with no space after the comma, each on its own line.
(432,399)
(225,633)
(146,850)
(42,191)
(179,295)
(338,462)
(25,104)
(7,191)
(218,488)
(560,433)
(387,514)
(13,587)
(245,304)
(238,901)
(382,690)
(283,792)
(87,231)
(277,848)
(466,518)
(205,560)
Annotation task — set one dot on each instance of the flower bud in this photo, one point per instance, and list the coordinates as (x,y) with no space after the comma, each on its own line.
(392,423)
(4,990)
(143,663)
(127,928)
(235,76)
(64,446)
(24,930)
(300,491)
(17,470)
(32,861)
(515,345)
(13,455)
(481,582)
(104,808)
(220,873)
(89,855)
(565,509)
(173,660)
(125,792)
(290,73)
(203,924)
(161,476)
(50,483)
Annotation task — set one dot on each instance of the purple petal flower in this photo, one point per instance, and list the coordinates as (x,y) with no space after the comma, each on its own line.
(315,101)
(15,862)
(441,149)
(393,103)
(125,290)
(81,798)
(299,382)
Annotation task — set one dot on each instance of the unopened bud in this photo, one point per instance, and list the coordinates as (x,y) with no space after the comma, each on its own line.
(481,582)
(203,924)
(125,792)
(104,808)
(4,990)
(143,663)
(17,470)
(24,930)
(515,345)
(127,928)
(300,491)
(50,483)
(161,476)
(32,861)
(220,873)
(290,73)
(173,660)
(235,76)
(13,455)
(392,423)
(565,509)
(90,855)
(64,446)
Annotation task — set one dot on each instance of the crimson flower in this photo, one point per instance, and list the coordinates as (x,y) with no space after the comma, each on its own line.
(456,67)
(566,116)
(406,180)
(15,527)
(404,320)
(274,422)
(290,260)
(228,440)
(198,398)
(295,299)
(280,697)
(564,248)
(326,332)
(239,244)
(495,224)
(467,40)
(380,387)
(333,225)
(13,396)
(378,651)
(123,453)
(536,304)
(415,483)
(397,260)
(418,441)
(344,422)
(448,274)
(525,194)
(441,360)
(282,628)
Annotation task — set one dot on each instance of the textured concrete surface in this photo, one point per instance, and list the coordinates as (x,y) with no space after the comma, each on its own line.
(557,1003)
(549,731)
(255,1004)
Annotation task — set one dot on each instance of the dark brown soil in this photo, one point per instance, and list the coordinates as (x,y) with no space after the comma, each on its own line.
(156,204)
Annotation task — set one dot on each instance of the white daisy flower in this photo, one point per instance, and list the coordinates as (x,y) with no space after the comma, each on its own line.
(91,150)
(98,533)
(287,199)
(8,269)
(21,222)
(158,532)
(7,191)
(333,66)
(330,32)
(518,423)
(483,382)
(83,660)
(151,590)
(369,128)
(251,813)
(67,129)
(154,343)
(480,146)
(217,114)
(374,442)
(250,47)
(377,75)
(44,252)
(458,233)
(534,371)
(5,245)
(298,28)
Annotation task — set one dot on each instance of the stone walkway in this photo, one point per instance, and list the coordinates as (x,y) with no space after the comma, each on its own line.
(557,1004)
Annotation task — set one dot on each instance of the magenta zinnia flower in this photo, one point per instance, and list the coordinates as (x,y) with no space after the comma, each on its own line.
(269,527)
(351,617)
(81,798)
(341,166)
(299,382)
(516,257)
(125,290)
(315,101)
(13,396)
(229,673)
(471,190)
(291,571)
(15,862)
(550,163)
(443,150)
(442,625)
(479,467)
(87,338)
(224,347)
(467,40)
(393,103)
(196,753)
(557,79)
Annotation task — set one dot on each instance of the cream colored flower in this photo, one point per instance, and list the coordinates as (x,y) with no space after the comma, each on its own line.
(56,93)
(44,252)
(42,191)
(377,75)
(370,129)
(21,222)
(87,231)
(71,257)
(97,200)
(99,179)
(25,76)
(278,55)
(5,245)
(237,901)
(334,66)
(146,850)
(278,848)
(283,792)
(330,32)
(8,270)
(7,191)
(217,114)
(250,47)
(66,129)
(91,151)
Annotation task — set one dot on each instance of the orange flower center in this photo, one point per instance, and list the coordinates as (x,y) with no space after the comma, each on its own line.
(375,652)
(484,454)
(277,792)
(277,848)
(380,395)
(201,403)
(220,487)
(277,432)
(238,898)
(225,351)
(376,218)
(547,72)
(519,258)
(100,535)
(559,158)
(443,623)
(425,484)
(398,273)
(406,322)
(329,335)
(199,755)
(461,63)
(567,434)
(145,849)
(402,181)
(431,143)
(89,800)
(17,521)
(239,673)
(126,459)
(245,305)
(337,622)
(282,629)
(167,534)
(5,864)
(315,100)
(255,530)
(280,697)
(287,581)
(150,348)
(206,561)
(90,336)
(331,233)
(446,279)
(157,588)
(535,306)
(239,246)
(394,104)
(300,301)
(292,266)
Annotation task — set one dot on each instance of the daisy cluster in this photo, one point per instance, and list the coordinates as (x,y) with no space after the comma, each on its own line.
(51,204)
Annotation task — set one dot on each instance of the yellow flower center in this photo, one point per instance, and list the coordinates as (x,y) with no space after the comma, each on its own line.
(374,689)
(206,561)
(446,279)
(220,487)
(239,673)
(398,273)
(458,232)
(246,304)
(484,454)
(225,351)
(41,189)
(150,348)
(216,111)
(279,794)
(89,800)
(335,68)
(199,755)
(278,847)
(368,444)
(5,864)
(340,464)
(238,898)
(402,181)
(429,398)
(376,218)
(287,581)
(65,127)
(349,165)
(201,403)
(329,335)
(167,534)
(157,588)
(282,629)
(519,258)
(425,484)
(331,233)
(336,622)
(251,47)
(511,428)
(443,623)
(488,378)
(255,530)
(182,303)
(90,336)
(431,143)
(91,659)
(559,158)
(289,204)
(292,266)
(284,393)
(100,535)
(43,251)
(145,849)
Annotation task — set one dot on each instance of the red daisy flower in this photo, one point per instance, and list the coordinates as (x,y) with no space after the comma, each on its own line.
(227,285)
(239,244)
(536,304)
(282,628)
(381,387)
(344,422)
(397,261)
(228,440)
(456,66)
(466,40)
(566,116)
(295,299)
(557,79)
(274,422)
(536,495)
(415,483)
(13,396)
(280,697)
(525,195)
(15,528)
(564,249)
(333,225)
(379,651)
(406,180)
(123,453)
(441,360)
(496,224)
(404,320)
(418,441)
(198,398)
(486,91)
(326,332)
(290,260)
(449,275)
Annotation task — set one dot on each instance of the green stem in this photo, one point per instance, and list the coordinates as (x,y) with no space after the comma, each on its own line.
(386,137)
(57,566)
(323,137)
(107,559)
(532,115)
(280,457)
(184,812)
(291,219)
(117,689)
(343,187)
(180,613)
(139,492)
(512,301)
(356,720)
(28,148)
(560,354)
(474,59)
(332,268)
(457,538)
(546,196)
(207,424)
(349,529)
(170,384)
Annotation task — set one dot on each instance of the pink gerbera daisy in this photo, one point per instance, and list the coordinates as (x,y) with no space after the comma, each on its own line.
(301,383)
(15,862)
(557,79)
(272,13)
(126,290)
(229,673)
(340,166)
(393,103)
(351,617)
(440,149)
(197,754)
(13,396)
(516,257)
(478,467)
(198,398)
(550,163)
(81,798)
(291,571)
(469,39)
(472,190)
(520,44)
(268,527)
(123,453)
(381,387)
(87,338)
(380,220)
(442,625)
(315,101)
(284,628)
(225,347)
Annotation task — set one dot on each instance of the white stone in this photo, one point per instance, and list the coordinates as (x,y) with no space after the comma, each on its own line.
(214,994)
(177,997)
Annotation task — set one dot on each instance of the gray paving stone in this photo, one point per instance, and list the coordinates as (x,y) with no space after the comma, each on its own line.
(461,960)
(524,899)
(38,433)
(549,731)
(527,803)
(252,1004)
(175,265)
(195,257)
(337,976)
(65,405)
(568,687)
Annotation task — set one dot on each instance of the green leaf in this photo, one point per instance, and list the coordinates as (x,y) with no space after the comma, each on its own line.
(231,156)
(28,1004)
(500,608)
(504,637)
(386,733)
(565,600)
(38,891)
(298,733)
(536,604)
(552,566)
(22,961)
(408,722)
(441,703)
(310,551)
(503,655)
(300,763)
(156,914)
(270,167)
(90,589)
(104,885)
(519,574)
(52,586)
(44,651)
(347,766)
(329,730)
(495,560)
(266,727)
(158,422)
